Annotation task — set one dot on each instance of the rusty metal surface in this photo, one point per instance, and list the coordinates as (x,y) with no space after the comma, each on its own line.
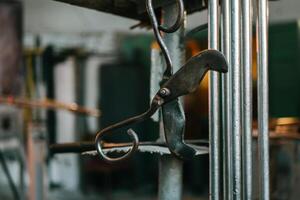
(184,81)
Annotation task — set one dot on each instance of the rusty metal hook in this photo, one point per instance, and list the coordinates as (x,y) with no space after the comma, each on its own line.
(134,147)
(184,81)
(139,118)
(157,101)
(157,28)
(172,114)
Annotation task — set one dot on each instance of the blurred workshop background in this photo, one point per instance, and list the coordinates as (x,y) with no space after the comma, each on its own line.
(66,72)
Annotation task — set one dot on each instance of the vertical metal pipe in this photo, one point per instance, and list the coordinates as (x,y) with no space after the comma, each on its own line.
(263,98)
(226,103)
(38,131)
(170,178)
(247,98)
(214,106)
(170,168)
(236,118)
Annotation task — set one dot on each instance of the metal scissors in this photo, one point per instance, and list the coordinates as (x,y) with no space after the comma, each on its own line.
(173,86)
(172,113)
(184,81)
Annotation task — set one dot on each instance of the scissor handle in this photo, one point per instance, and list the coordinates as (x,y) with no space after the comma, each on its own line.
(156,103)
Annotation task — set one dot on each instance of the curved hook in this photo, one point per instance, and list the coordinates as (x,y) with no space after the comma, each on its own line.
(157,28)
(134,147)
(157,101)
(178,21)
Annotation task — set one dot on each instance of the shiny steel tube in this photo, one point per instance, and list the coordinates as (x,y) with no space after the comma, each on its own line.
(236,118)
(226,102)
(214,105)
(263,98)
(247,98)
(170,168)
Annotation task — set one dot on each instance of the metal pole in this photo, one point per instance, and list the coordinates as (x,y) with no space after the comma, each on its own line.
(170,168)
(236,118)
(214,105)
(263,98)
(226,103)
(170,178)
(247,98)
(39,132)
(12,185)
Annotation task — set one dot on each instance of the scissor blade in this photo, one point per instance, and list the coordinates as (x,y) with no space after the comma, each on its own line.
(174,126)
(188,77)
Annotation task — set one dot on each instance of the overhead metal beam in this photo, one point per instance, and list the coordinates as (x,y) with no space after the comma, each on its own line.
(134,9)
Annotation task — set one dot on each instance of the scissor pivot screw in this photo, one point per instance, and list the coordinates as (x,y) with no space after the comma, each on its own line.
(164,92)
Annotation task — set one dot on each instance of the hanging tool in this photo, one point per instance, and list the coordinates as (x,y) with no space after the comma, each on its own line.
(172,113)
(184,81)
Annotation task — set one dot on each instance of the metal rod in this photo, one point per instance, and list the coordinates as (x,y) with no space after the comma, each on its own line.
(82,147)
(10,180)
(170,168)
(247,98)
(170,178)
(236,119)
(39,132)
(48,104)
(226,103)
(263,98)
(214,105)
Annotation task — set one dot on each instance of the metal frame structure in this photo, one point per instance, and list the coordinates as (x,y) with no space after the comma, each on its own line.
(171,168)
(237,106)
(236,90)
(230,102)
